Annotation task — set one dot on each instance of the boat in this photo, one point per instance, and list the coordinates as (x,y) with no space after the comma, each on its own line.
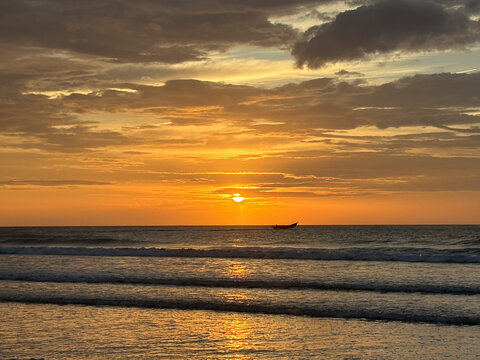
(285,227)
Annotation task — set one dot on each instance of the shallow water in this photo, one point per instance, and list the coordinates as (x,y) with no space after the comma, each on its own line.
(93,332)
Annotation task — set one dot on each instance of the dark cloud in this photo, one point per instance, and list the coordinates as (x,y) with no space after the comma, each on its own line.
(471,6)
(37,122)
(146,31)
(69,46)
(436,90)
(80,138)
(473,130)
(383,27)
(29,114)
(422,100)
(347,73)
(175,99)
(431,142)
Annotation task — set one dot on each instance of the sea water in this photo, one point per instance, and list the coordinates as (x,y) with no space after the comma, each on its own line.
(244,292)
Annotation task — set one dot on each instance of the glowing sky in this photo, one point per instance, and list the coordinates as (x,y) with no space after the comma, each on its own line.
(152,112)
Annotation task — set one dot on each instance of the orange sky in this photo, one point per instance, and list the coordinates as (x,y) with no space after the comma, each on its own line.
(155,113)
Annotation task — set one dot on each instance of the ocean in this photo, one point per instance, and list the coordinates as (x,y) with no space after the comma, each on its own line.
(240,292)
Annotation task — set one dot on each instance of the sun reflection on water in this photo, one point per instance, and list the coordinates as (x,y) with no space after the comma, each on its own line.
(238,337)
(237,270)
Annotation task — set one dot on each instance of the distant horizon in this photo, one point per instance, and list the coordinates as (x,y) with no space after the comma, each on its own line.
(257,225)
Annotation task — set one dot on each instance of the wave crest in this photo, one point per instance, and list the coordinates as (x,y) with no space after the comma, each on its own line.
(407,254)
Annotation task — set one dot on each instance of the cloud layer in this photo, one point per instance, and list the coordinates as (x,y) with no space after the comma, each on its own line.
(175,32)
(444,101)
(311,139)
(383,27)
(146,31)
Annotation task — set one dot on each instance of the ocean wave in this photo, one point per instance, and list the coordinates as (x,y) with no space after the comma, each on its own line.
(330,311)
(245,283)
(406,254)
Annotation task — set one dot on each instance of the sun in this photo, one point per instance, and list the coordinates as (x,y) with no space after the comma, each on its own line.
(237,198)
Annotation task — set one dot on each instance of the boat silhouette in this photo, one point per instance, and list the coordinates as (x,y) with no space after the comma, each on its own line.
(285,227)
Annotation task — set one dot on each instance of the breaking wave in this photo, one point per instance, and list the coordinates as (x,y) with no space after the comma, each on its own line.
(266,308)
(407,254)
(245,283)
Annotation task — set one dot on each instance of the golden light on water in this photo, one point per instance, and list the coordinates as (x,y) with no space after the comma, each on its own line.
(237,270)
(237,333)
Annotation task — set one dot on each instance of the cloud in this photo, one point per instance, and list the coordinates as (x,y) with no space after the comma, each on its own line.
(236,116)
(431,143)
(472,6)
(347,73)
(390,172)
(311,173)
(386,26)
(147,31)
(37,122)
(49,183)
(422,100)
(435,90)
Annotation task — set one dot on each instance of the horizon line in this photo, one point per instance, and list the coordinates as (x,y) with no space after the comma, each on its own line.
(256,225)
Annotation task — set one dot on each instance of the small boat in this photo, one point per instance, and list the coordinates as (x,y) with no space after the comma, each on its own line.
(285,227)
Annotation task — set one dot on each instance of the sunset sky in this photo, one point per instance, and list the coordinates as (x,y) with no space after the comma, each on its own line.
(154,112)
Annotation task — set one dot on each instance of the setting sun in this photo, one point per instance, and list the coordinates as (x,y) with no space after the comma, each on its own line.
(237,198)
